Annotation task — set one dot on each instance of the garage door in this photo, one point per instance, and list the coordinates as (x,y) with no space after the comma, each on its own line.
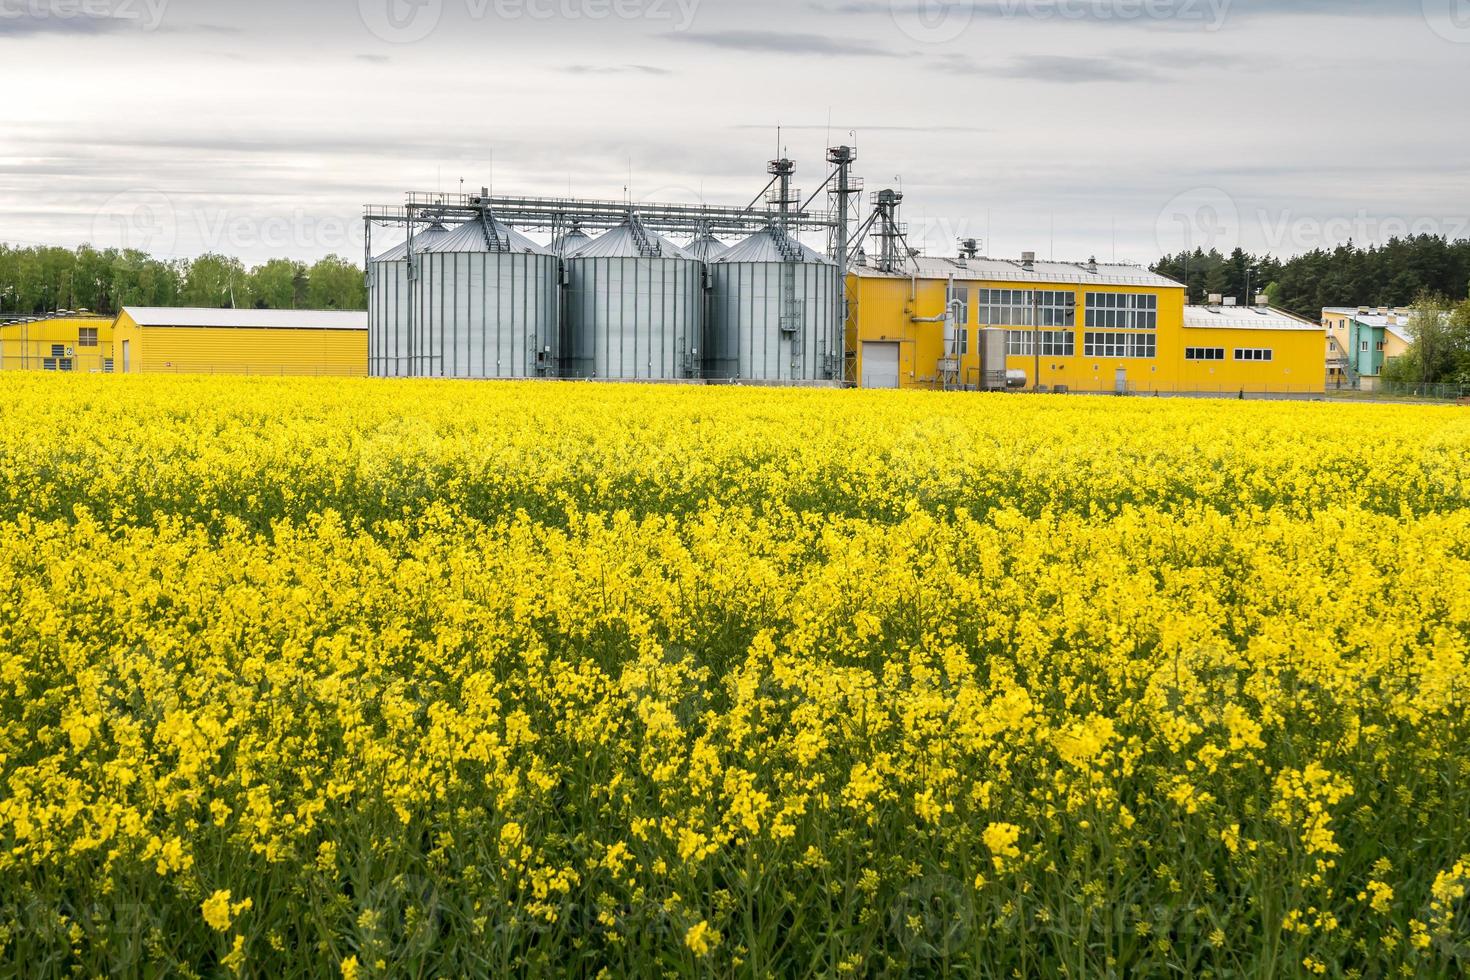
(880,365)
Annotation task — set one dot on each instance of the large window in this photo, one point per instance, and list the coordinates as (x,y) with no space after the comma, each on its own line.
(1204,353)
(962,294)
(1054,343)
(962,341)
(1122,311)
(1013,308)
(1120,344)
(87,337)
(1254,354)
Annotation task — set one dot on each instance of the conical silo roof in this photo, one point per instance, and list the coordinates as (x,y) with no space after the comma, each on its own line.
(706,247)
(568,244)
(482,235)
(772,245)
(421,241)
(630,240)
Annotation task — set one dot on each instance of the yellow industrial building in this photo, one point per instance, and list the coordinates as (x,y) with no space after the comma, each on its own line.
(1080,327)
(191,341)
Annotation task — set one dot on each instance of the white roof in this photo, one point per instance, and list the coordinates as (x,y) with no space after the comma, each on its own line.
(1005,270)
(179,316)
(1245,318)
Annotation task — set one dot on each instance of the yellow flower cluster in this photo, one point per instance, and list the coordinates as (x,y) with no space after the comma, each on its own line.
(437,679)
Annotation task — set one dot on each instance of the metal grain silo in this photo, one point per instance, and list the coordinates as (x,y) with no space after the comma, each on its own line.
(487,304)
(774,312)
(389,300)
(706,247)
(569,243)
(634,308)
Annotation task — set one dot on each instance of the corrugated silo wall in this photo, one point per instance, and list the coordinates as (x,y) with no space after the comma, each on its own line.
(487,315)
(744,340)
(633,318)
(388,320)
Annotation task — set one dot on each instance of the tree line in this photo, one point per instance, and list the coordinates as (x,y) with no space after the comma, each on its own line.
(41,279)
(1440,349)
(1396,273)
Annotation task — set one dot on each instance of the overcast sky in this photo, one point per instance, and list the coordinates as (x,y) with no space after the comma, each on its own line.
(1068,127)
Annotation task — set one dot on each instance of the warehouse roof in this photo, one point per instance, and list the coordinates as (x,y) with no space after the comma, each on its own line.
(1005,270)
(1244,318)
(172,316)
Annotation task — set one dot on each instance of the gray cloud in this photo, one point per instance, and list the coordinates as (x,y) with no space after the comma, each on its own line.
(30,25)
(1061,69)
(1116,11)
(615,70)
(782,42)
(373,59)
(837,130)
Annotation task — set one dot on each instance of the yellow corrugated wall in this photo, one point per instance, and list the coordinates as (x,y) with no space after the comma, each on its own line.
(28,346)
(242,350)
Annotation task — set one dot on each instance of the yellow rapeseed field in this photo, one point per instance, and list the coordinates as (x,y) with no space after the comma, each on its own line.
(352,678)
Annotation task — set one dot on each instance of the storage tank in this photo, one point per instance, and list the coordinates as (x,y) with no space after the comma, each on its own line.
(487,304)
(388,305)
(634,308)
(774,312)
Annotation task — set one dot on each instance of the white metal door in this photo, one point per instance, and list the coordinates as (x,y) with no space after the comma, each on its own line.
(127,356)
(880,365)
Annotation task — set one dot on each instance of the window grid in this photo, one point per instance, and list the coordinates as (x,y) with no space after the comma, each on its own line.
(961,293)
(1013,307)
(1123,311)
(1054,343)
(1204,353)
(87,337)
(1254,354)
(1133,345)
